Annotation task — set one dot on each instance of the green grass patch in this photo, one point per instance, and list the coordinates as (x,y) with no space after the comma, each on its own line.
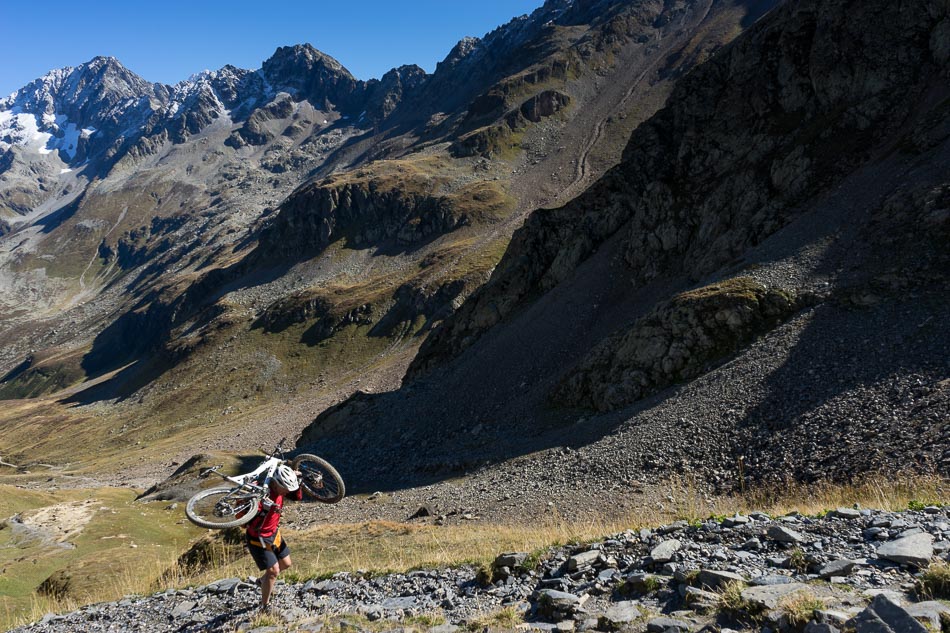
(114,547)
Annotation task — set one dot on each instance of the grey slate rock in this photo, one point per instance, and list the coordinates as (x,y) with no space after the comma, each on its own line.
(584,559)
(607,575)
(885,616)
(845,513)
(326,586)
(663,553)
(700,600)
(511,559)
(735,521)
(929,613)
(768,596)
(228,585)
(841,567)
(833,617)
(444,628)
(784,535)
(551,601)
(916,549)
(184,608)
(618,615)
(667,625)
(824,627)
(713,578)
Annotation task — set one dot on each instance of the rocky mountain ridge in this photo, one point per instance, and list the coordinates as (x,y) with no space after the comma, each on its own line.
(851,569)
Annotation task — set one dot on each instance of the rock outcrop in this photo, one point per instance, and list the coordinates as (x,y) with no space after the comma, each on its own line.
(320,214)
(677,341)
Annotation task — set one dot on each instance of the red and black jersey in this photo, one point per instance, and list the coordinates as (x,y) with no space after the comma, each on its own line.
(264,525)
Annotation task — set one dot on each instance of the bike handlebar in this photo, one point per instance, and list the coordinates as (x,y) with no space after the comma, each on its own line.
(277,449)
(207,472)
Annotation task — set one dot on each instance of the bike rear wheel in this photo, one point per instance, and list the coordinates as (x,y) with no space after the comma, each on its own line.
(219,508)
(319,479)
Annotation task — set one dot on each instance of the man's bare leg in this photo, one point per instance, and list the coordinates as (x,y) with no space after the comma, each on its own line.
(267,583)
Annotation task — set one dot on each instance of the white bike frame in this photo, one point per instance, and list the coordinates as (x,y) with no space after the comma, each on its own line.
(269,466)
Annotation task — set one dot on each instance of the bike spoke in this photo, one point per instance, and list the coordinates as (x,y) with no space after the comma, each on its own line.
(224,507)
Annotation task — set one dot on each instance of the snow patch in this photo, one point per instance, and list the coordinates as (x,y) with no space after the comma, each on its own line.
(55,132)
(19,128)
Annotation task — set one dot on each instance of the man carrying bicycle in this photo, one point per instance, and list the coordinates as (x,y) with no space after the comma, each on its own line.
(268,549)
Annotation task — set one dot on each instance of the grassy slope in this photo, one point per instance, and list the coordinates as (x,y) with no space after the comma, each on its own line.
(103,564)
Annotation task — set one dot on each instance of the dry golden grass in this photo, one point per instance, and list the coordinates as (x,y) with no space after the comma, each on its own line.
(731,600)
(506,619)
(887,492)
(934,582)
(800,607)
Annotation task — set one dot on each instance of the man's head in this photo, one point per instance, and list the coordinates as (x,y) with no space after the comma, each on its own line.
(285,479)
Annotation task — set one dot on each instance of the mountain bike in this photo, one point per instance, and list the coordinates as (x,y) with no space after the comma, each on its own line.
(231,506)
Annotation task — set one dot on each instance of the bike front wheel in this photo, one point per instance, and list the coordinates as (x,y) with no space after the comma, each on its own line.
(220,508)
(319,479)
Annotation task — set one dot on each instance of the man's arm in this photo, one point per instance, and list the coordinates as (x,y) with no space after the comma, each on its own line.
(296,495)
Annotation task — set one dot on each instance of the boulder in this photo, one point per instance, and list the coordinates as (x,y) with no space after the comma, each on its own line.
(916,550)
(584,559)
(714,578)
(837,568)
(885,616)
(618,615)
(845,513)
(783,534)
(735,521)
(511,559)
(771,579)
(663,553)
(929,613)
(556,603)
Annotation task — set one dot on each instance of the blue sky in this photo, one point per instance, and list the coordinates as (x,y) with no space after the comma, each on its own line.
(169,41)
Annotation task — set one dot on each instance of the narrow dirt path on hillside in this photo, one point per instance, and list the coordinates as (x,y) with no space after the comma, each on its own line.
(92,260)
(582,168)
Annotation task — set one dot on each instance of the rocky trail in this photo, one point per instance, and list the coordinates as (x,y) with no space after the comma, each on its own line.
(851,569)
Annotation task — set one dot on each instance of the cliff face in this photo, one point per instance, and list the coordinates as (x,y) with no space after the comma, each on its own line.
(679,340)
(744,140)
(318,215)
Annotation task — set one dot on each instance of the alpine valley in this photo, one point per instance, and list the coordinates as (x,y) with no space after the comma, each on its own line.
(611,249)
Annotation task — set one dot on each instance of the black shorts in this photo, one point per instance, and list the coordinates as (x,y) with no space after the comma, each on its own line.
(263,551)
